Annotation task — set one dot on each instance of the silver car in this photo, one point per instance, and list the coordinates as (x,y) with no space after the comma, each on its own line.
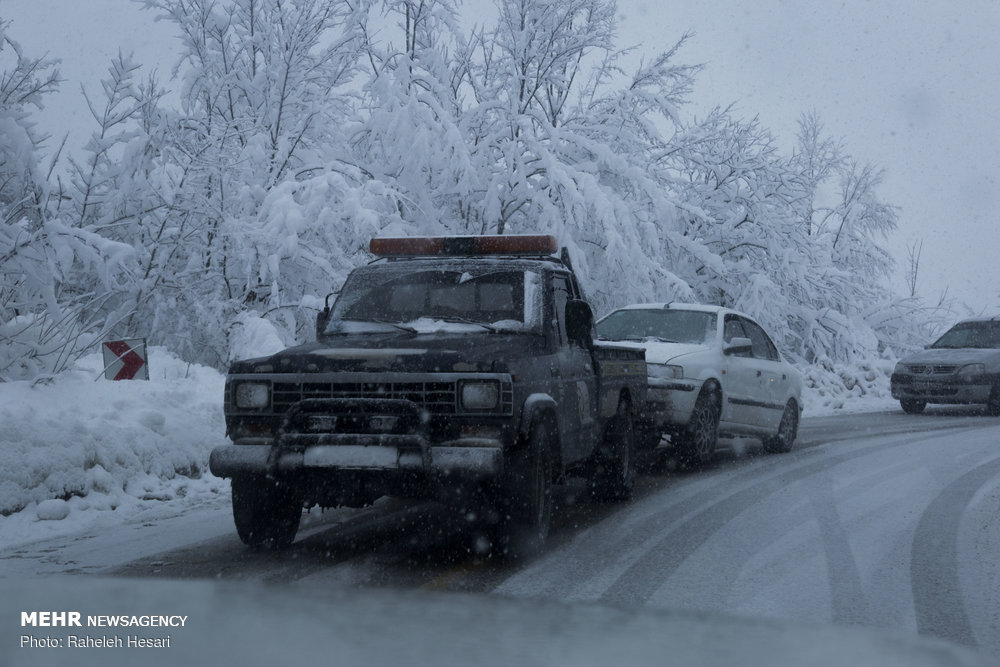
(960,367)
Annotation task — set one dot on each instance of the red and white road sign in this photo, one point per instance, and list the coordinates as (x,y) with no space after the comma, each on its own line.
(125,359)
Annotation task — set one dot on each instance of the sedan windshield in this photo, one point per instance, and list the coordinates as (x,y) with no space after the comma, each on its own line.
(667,325)
(971,334)
(422,301)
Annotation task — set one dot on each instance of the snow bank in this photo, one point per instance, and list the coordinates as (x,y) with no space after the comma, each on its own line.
(80,443)
(863,387)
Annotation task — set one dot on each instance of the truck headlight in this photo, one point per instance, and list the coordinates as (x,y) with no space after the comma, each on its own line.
(253,395)
(665,371)
(480,395)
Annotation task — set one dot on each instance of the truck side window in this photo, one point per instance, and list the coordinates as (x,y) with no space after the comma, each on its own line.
(560,296)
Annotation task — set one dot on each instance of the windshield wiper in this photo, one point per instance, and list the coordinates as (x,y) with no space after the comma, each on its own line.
(462,320)
(401,327)
(643,339)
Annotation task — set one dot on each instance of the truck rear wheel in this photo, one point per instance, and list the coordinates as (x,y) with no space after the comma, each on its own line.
(266,512)
(525,529)
(614,474)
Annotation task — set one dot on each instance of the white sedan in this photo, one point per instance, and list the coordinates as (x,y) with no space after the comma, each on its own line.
(712,371)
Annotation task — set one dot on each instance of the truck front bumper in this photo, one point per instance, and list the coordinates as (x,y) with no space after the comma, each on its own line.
(468,458)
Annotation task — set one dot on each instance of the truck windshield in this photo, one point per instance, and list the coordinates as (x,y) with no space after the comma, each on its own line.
(666,325)
(438,300)
(971,334)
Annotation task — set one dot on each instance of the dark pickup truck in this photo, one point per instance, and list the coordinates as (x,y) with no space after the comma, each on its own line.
(458,369)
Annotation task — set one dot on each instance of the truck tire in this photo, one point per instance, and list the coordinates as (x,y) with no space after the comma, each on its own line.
(525,528)
(647,439)
(614,471)
(696,444)
(781,442)
(266,512)
(912,407)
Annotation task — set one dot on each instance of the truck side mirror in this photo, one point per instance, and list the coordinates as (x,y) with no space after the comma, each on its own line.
(323,317)
(579,323)
(738,346)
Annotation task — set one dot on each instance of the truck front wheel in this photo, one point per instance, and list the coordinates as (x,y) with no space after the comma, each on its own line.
(529,496)
(266,512)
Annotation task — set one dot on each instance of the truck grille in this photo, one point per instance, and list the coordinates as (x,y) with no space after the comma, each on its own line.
(435,397)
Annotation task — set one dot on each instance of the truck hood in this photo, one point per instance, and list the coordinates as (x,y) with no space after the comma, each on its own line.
(662,353)
(955,356)
(485,353)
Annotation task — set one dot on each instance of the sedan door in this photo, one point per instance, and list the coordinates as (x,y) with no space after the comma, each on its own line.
(741,377)
(772,378)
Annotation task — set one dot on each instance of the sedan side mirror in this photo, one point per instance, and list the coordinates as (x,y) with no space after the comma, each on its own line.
(738,347)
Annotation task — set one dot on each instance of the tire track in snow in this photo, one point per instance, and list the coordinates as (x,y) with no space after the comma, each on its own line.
(643,549)
(847,592)
(934,576)
(658,563)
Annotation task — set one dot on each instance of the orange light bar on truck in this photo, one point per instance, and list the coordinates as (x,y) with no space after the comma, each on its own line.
(524,244)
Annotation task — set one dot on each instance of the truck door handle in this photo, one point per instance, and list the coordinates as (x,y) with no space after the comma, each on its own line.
(758,373)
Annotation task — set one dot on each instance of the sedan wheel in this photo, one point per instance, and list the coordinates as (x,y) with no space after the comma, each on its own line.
(696,445)
(788,428)
(993,403)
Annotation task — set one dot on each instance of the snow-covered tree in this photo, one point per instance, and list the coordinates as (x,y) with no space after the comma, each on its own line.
(59,274)
(306,127)
(265,93)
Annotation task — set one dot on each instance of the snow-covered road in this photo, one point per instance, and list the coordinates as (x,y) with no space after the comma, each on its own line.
(875,520)
(896,531)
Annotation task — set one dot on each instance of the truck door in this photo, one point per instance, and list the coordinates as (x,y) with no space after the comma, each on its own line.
(576,379)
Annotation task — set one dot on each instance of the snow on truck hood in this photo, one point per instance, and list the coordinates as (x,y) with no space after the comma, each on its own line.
(661,353)
(251,623)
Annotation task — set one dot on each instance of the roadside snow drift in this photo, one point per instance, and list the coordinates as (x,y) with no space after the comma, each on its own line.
(80,442)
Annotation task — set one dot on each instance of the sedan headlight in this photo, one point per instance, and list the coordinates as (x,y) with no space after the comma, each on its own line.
(253,395)
(972,369)
(665,371)
(480,395)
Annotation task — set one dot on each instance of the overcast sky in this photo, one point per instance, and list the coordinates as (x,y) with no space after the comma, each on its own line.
(911,85)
